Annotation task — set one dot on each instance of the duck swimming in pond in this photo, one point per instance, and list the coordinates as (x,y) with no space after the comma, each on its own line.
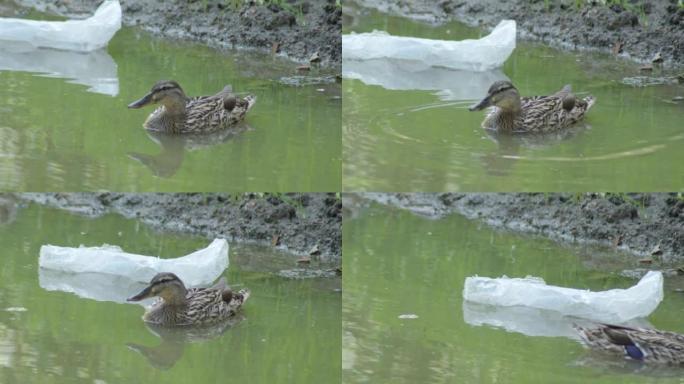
(180,114)
(647,345)
(180,306)
(536,114)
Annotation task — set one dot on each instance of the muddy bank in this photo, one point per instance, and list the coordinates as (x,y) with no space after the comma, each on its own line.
(646,225)
(298,29)
(644,28)
(304,224)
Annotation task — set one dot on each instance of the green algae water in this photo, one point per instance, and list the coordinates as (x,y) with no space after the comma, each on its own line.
(58,135)
(397,263)
(409,138)
(289,331)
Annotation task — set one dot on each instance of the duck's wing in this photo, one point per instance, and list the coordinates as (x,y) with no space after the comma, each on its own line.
(637,343)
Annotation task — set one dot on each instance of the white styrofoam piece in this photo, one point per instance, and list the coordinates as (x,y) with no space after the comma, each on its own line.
(482,54)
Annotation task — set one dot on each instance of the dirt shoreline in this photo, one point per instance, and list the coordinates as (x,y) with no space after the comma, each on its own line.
(300,28)
(299,223)
(645,225)
(644,29)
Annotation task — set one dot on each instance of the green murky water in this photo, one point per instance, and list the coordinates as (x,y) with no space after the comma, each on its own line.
(397,263)
(60,136)
(398,138)
(289,332)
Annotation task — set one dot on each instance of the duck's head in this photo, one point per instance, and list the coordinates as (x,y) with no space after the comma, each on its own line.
(165,285)
(501,94)
(166,92)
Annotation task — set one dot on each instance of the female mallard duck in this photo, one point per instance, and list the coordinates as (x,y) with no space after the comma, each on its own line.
(647,345)
(537,114)
(180,306)
(180,114)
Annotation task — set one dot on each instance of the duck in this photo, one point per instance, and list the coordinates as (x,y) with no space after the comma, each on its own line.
(640,344)
(181,114)
(537,114)
(180,306)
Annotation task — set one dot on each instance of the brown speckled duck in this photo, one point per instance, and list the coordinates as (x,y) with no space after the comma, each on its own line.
(536,114)
(180,114)
(180,306)
(641,344)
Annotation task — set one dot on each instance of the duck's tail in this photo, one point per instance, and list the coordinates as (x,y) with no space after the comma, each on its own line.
(251,100)
(235,299)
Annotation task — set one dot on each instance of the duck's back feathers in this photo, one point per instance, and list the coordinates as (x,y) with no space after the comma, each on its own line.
(203,306)
(203,114)
(648,345)
(540,114)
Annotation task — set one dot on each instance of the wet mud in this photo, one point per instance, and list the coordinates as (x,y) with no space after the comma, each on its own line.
(298,29)
(308,225)
(640,30)
(649,226)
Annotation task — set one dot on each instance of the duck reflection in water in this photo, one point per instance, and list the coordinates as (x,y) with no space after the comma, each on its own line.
(174,339)
(501,159)
(168,161)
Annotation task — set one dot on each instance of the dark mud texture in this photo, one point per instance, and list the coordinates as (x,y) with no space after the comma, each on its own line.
(304,224)
(298,28)
(643,28)
(650,226)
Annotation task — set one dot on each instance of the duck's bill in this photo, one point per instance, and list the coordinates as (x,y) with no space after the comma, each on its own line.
(144,294)
(141,102)
(486,102)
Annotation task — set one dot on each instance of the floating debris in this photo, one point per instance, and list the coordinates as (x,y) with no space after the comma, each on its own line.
(656,250)
(304,260)
(303,273)
(645,81)
(314,58)
(315,250)
(646,68)
(658,58)
(617,48)
(303,68)
(615,305)
(16,309)
(197,268)
(408,316)
(303,81)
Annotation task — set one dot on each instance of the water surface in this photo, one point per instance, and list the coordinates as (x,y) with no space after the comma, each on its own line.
(404,135)
(289,330)
(396,263)
(76,134)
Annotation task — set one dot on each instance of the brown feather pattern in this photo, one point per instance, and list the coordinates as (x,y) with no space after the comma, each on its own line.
(202,306)
(658,347)
(202,114)
(540,114)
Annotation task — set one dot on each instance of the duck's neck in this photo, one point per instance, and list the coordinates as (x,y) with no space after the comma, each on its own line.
(175,105)
(505,119)
(175,298)
(173,115)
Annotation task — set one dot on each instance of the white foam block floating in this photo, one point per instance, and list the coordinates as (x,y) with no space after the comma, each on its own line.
(201,267)
(74,35)
(450,84)
(482,54)
(612,306)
